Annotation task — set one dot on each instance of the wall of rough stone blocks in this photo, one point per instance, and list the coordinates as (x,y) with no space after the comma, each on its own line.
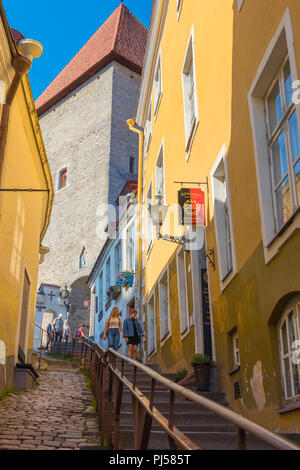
(87,134)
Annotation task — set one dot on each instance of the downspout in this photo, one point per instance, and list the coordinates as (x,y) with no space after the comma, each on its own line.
(22,65)
(131,123)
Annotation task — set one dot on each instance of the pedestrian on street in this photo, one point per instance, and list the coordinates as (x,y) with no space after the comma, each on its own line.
(133,333)
(50,334)
(113,327)
(58,328)
(66,331)
(80,333)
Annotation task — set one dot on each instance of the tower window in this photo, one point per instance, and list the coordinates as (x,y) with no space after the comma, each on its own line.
(132,165)
(62,178)
(83,259)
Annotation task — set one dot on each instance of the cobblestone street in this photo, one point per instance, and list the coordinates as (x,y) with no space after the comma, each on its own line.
(57,414)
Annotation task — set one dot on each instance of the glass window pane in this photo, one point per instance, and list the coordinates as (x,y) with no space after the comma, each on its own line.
(284,342)
(280,166)
(283,202)
(297,178)
(288,83)
(296,380)
(295,139)
(291,328)
(274,107)
(287,374)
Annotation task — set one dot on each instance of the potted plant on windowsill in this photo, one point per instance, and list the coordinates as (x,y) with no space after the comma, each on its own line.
(180,375)
(202,365)
(114,292)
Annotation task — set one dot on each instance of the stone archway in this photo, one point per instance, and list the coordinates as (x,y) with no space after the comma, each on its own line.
(47,317)
(80,308)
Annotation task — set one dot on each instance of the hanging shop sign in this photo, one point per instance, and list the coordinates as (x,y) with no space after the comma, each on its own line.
(192,204)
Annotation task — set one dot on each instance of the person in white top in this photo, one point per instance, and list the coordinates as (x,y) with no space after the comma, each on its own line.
(66,331)
(113,327)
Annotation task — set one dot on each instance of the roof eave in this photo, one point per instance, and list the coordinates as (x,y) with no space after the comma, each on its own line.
(112,56)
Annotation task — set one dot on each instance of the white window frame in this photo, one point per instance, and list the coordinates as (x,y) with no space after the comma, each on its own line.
(107,286)
(118,258)
(129,229)
(273,135)
(183,301)
(59,173)
(293,305)
(158,86)
(148,222)
(226,274)
(179,8)
(151,301)
(160,156)
(101,292)
(190,127)
(164,276)
(148,130)
(236,350)
(281,45)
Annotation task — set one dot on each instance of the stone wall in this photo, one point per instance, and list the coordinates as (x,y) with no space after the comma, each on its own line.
(87,134)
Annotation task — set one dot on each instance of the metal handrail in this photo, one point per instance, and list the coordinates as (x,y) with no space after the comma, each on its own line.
(117,379)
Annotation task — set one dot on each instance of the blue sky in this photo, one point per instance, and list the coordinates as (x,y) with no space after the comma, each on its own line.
(63,27)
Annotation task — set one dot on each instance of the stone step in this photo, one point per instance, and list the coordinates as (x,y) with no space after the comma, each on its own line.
(186,428)
(182,417)
(163,407)
(204,440)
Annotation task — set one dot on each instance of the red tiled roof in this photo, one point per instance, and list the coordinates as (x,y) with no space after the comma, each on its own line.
(122,38)
(16,35)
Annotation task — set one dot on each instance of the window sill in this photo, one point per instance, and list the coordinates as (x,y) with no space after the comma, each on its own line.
(165,339)
(62,189)
(275,245)
(284,228)
(228,279)
(289,407)
(235,370)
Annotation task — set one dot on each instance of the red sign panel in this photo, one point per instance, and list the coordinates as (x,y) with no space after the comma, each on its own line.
(86,303)
(192,203)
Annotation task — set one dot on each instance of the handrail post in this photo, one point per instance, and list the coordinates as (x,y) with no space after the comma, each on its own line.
(118,404)
(241,439)
(110,409)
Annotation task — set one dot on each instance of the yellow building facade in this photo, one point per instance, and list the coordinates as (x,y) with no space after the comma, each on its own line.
(24,215)
(219,104)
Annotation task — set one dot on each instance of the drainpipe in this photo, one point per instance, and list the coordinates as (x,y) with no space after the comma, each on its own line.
(22,65)
(131,124)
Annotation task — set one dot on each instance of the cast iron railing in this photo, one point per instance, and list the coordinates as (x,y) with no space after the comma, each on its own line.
(108,383)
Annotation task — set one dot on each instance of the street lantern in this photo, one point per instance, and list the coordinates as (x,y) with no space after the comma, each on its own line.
(158,213)
(64,299)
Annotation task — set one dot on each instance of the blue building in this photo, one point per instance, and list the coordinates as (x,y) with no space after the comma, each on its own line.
(113,277)
(48,307)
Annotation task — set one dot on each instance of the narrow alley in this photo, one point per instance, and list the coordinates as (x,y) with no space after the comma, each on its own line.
(55,415)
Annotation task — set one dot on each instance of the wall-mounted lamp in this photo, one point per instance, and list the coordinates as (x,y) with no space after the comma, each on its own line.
(30,48)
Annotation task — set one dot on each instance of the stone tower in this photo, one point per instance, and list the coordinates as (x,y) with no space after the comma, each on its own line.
(91,152)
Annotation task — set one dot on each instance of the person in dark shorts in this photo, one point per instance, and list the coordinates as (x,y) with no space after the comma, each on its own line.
(133,333)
